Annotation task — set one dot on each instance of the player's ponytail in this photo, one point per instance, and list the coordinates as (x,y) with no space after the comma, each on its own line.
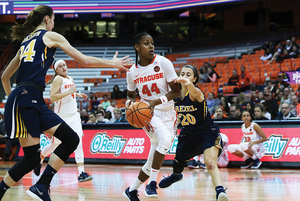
(34,19)
(136,40)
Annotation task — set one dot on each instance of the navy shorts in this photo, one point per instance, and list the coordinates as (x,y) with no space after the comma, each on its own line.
(193,143)
(27,113)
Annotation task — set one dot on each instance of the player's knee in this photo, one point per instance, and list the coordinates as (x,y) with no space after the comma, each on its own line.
(210,164)
(67,136)
(244,146)
(231,148)
(178,166)
(163,146)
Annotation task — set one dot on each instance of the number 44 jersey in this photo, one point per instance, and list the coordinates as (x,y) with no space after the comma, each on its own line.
(152,80)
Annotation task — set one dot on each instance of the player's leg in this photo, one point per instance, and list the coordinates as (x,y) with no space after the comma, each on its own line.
(79,158)
(31,148)
(258,153)
(238,150)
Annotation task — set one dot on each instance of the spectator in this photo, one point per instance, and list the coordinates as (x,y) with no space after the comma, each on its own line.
(261,96)
(294,42)
(272,104)
(105,102)
(210,100)
(112,107)
(289,100)
(247,99)
(100,117)
(266,110)
(267,56)
(278,96)
(108,115)
(250,108)
(241,98)
(258,113)
(280,83)
(94,104)
(234,79)
(294,53)
(219,115)
(217,101)
(288,46)
(116,93)
(118,117)
(212,76)
(254,95)
(235,113)
(296,105)
(92,118)
(235,99)
(84,116)
(99,107)
(285,97)
(285,112)
(245,80)
(225,105)
(202,74)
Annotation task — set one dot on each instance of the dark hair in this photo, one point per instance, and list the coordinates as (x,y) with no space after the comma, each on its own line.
(248,112)
(34,19)
(260,107)
(136,40)
(196,75)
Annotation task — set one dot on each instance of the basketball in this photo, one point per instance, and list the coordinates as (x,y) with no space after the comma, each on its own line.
(138,114)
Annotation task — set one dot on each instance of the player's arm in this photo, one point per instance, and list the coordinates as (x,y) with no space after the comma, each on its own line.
(195,92)
(55,94)
(8,72)
(261,133)
(53,39)
(82,95)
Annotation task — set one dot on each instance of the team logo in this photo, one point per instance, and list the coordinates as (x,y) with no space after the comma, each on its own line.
(156,68)
(24,92)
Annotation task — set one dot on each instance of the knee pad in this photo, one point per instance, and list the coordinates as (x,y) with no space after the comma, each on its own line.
(147,168)
(69,141)
(30,160)
(244,146)
(163,146)
(231,148)
(178,166)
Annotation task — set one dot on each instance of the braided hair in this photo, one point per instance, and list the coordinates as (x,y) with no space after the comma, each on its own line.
(136,40)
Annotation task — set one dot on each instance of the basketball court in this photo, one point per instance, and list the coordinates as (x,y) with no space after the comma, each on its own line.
(109,182)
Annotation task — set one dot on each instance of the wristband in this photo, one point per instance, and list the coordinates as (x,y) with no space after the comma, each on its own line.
(128,102)
(163,99)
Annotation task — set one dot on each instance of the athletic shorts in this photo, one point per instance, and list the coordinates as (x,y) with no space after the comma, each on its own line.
(27,113)
(193,143)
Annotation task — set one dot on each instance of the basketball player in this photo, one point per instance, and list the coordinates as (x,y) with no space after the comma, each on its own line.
(153,76)
(199,135)
(252,149)
(63,92)
(26,114)
(223,159)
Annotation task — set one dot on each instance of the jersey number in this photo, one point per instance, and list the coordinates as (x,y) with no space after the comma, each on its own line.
(187,119)
(154,88)
(28,52)
(247,139)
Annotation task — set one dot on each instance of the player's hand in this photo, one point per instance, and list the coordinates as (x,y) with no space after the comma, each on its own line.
(73,89)
(251,144)
(128,103)
(183,81)
(82,95)
(152,104)
(121,63)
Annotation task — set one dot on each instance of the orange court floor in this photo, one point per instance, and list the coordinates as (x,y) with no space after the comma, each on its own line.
(109,182)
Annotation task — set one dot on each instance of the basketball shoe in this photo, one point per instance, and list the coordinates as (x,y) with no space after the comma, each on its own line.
(131,196)
(248,163)
(84,177)
(39,192)
(193,164)
(222,197)
(168,181)
(150,190)
(256,164)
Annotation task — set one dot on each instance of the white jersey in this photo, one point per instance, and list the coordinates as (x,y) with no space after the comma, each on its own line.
(67,105)
(152,80)
(250,134)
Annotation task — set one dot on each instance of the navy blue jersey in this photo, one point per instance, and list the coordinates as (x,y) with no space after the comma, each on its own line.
(193,115)
(35,59)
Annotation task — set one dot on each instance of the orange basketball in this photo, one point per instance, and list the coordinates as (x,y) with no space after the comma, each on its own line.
(138,114)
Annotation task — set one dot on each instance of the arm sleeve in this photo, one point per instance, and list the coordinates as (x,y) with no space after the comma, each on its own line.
(168,69)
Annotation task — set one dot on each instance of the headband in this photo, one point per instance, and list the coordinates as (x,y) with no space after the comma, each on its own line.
(57,63)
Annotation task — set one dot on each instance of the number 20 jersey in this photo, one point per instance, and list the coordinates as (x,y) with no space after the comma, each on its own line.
(152,80)
(194,116)
(35,59)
